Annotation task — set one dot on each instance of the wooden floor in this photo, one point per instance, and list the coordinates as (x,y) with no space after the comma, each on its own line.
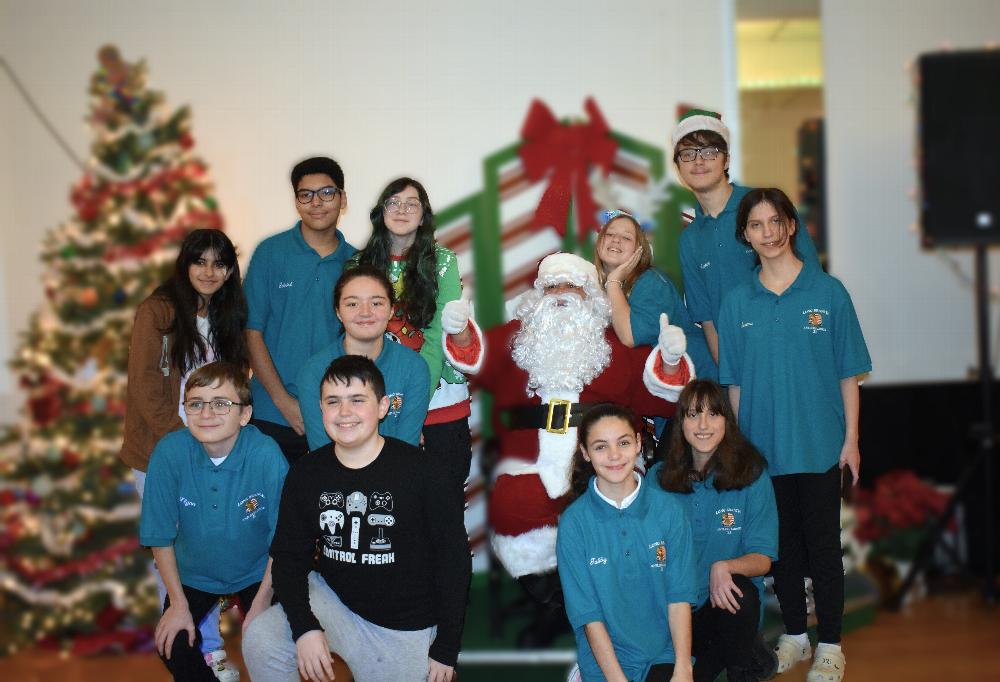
(952,638)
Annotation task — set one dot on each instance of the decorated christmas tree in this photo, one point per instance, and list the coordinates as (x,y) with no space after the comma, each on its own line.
(72,575)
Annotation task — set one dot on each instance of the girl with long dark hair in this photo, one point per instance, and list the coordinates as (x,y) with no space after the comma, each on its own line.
(626,561)
(198,315)
(721,480)
(425,277)
(791,351)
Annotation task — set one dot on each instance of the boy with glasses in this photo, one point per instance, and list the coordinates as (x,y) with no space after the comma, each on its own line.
(713,261)
(209,512)
(289,290)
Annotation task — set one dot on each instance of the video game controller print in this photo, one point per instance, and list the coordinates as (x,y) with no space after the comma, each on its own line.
(381,501)
(331,520)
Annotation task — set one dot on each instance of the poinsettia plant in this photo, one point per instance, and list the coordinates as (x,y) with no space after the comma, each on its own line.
(896,513)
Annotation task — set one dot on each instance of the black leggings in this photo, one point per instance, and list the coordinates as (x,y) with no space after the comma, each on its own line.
(720,639)
(187,663)
(809,545)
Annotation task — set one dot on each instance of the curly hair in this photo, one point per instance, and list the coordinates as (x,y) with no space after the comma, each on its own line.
(582,469)
(641,243)
(420,284)
(227,309)
(736,463)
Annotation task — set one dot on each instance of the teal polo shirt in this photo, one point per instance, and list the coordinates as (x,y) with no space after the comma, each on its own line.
(653,293)
(407,385)
(289,291)
(788,354)
(623,567)
(726,524)
(219,519)
(714,262)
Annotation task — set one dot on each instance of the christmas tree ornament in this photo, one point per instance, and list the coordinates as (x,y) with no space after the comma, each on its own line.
(88,297)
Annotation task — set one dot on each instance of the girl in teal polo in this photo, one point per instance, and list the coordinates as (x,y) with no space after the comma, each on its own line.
(791,351)
(721,479)
(625,560)
(638,292)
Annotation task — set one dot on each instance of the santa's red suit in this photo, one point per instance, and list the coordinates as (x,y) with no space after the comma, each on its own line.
(533,474)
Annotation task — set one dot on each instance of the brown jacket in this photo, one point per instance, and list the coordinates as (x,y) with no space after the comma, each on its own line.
(154,385)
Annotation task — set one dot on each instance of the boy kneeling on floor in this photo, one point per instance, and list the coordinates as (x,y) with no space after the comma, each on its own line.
(394,567)
(209,512)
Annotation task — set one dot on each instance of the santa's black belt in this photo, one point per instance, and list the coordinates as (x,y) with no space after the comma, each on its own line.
(555,416)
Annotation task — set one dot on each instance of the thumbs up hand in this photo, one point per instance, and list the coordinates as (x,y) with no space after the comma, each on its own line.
(672,342)
(456,314)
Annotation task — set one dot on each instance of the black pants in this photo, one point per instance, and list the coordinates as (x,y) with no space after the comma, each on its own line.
(720,639)
(292,445)
(661,672)
(451,444)
(186,662)
(809,545)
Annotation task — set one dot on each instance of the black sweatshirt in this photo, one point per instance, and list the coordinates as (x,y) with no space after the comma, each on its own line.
(391,540)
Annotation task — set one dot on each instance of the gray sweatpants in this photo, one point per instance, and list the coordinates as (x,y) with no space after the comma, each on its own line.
(373,653)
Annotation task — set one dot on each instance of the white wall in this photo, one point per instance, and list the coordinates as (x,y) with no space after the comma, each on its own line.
(916,312)
(427,88)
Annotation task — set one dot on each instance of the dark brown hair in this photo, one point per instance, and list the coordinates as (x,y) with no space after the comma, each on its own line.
(220,372)
(736,463)
(781,203)
(582,469)
(703,138)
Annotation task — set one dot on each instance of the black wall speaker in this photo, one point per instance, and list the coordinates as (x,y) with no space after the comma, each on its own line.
(960,144)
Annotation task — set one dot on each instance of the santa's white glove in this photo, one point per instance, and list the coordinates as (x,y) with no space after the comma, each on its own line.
(672,342)
(456,314)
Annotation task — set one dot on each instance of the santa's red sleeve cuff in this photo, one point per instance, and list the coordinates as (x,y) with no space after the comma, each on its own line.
(665,381)
(467,359)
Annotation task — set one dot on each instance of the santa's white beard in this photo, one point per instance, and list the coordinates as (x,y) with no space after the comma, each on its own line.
(561,344)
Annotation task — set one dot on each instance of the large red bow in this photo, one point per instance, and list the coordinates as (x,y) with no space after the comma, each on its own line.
(565,153)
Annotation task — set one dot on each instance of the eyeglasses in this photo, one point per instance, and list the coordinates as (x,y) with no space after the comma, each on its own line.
(394,205)
(707,153)
(326,194)
(219,406)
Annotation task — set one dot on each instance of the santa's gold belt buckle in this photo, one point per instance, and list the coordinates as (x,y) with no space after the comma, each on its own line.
(566,415)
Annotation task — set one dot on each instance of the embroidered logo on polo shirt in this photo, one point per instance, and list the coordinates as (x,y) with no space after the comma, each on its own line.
(252,505)
(815,320)
(727,520)
(395,404)
(285,285)
(659,554)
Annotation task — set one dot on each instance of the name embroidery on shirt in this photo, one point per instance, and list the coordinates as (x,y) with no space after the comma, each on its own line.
(815,319)
(704,265)
(285,285)
(598,560)
(744,325)
(187,503)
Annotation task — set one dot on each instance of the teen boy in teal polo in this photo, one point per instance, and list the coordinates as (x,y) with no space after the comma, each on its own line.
(713,261)
(209,513)
(289,289)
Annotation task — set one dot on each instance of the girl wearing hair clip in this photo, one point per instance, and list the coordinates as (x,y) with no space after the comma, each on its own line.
(638,292)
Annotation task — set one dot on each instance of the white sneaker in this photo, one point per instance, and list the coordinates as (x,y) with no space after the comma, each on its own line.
(224,670)
(789,652)
(828,664)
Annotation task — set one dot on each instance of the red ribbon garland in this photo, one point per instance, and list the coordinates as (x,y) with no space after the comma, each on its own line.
(565,153)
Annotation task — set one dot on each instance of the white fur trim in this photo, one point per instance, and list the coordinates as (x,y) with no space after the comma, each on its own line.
(555,460)
(461,366)
(531,552)
(656,385)
(699,122)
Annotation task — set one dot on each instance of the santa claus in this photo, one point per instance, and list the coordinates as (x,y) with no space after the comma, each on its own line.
(544,368)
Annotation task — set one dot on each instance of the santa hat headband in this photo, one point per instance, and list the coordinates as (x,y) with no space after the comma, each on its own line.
(697,120)
(565,267)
